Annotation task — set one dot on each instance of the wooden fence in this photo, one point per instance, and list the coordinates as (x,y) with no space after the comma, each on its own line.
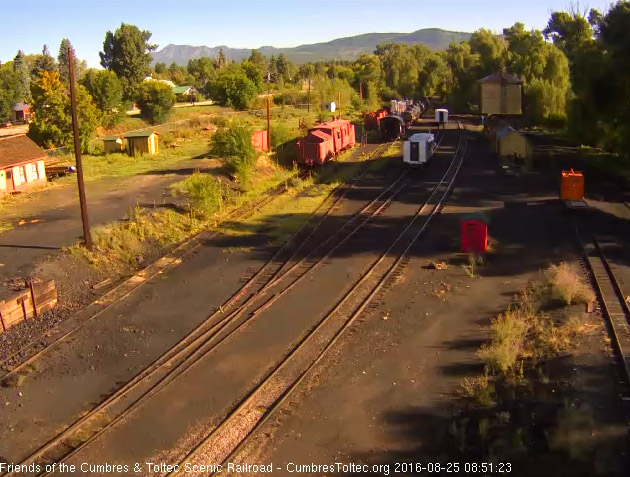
(30,303)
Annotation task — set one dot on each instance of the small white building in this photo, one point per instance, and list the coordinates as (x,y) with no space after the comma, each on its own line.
(418,149)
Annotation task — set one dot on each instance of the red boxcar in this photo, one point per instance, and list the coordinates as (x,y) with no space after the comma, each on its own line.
(325,141)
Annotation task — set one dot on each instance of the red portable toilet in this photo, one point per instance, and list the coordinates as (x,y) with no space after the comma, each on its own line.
(474,234)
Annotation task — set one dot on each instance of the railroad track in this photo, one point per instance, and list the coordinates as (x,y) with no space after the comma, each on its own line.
(232,434)
(611,297)
(205,337)
(35,350)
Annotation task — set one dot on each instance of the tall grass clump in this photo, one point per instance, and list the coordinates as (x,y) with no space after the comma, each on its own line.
(508,342)
(567,286)
(233,144)
(203,193)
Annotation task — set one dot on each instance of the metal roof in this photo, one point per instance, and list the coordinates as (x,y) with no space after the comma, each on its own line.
(16,150)
(181,89)
(140,134)
(501,133)
(111,138)
(422,137)
(501,77)
(21,107)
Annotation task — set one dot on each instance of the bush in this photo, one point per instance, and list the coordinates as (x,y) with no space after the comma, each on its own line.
(280,134)
(508,341)
(232,87)
(155,101)
(233,143)
(203,192)
(567,286)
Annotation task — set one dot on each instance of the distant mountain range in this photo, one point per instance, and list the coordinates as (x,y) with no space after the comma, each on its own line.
(342,48)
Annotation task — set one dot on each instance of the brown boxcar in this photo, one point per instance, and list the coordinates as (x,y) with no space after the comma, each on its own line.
(325,141)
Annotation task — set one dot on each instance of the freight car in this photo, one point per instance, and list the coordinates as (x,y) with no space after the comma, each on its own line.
(392,126)
(373,120)
(325,141)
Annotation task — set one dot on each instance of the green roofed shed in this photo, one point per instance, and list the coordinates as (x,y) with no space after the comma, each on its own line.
(142,142)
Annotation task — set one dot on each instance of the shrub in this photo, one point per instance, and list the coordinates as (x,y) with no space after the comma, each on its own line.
(234,144)
(280,134)
(232,87)
(203,192)
(566,285)
(508,341)
(155,101)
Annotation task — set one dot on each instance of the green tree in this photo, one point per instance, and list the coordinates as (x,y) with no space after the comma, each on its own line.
(233,144)
(464,65)
(155,100)
(43,62)
(491,49)
(105,88)
(22,78)
(127,52)
(258,58)
(52,116)
(63,58)
(160,68)
(254,72)
(7,90)
(232,87)
(202,70)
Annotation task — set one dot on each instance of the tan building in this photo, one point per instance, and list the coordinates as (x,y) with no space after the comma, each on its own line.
(22,164)
(112,144)
(500,93)
(510,142)
(142,142)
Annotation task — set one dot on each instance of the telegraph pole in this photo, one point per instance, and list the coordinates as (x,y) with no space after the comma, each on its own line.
(339,100)
(87,236)
(308,107)
(268,124)
(361,92)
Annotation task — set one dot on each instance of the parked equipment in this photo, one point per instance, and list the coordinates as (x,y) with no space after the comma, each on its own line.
(325,141)
(418,149)
(392,126)
(572,189)
(441,116)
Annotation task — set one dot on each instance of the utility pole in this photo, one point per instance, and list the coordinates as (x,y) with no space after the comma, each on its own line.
(339,100)
(360,92)
(87,236)
(308,107)
(268,124)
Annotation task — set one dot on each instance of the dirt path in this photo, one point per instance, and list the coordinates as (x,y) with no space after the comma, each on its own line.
(52,219)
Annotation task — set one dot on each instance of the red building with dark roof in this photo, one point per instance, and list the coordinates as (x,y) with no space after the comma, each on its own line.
(22,164)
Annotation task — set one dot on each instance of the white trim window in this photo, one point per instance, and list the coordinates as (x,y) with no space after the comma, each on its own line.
(34,171)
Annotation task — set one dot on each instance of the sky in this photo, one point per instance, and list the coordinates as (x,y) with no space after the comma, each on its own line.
(29,24)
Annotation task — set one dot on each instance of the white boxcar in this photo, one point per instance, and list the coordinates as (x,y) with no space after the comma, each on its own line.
(441,116)
(418,149)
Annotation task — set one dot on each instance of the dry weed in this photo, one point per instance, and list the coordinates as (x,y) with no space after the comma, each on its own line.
(566,285)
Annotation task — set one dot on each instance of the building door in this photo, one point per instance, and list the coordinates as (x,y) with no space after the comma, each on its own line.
(10,185)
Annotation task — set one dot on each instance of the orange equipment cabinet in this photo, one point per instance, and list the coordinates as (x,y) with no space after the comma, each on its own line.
(572,186)
(474,235)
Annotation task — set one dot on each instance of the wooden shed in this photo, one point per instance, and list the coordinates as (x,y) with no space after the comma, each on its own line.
(500,93)
(142,142)
(22,164)
(112,144)
(510,142)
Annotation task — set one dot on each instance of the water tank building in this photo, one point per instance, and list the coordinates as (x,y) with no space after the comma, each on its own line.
(500,93)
